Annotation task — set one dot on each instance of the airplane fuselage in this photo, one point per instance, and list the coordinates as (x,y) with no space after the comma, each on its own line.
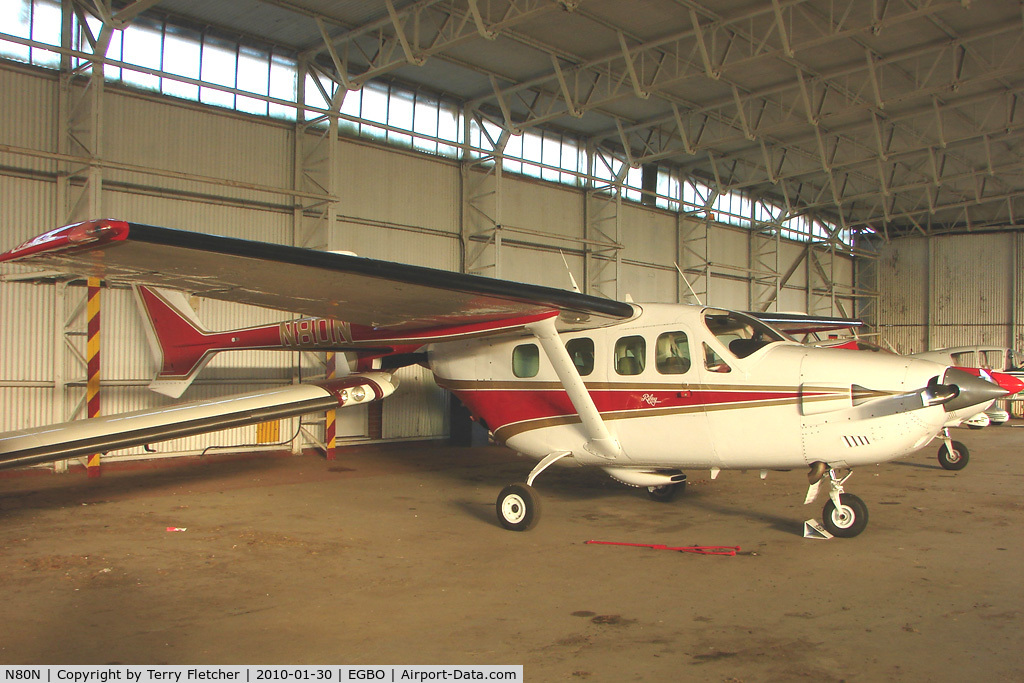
(675,396)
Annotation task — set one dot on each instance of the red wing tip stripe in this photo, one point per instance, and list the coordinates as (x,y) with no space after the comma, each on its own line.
(70,236)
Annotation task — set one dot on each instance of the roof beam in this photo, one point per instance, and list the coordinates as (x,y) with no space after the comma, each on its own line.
(434,26)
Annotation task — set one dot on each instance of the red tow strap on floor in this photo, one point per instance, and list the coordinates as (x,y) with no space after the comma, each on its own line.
(696,549)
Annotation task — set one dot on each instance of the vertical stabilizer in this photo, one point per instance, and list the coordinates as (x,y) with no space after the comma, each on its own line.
(176,336)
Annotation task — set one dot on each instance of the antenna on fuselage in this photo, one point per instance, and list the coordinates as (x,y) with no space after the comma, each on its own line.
(575,287)
(680,270)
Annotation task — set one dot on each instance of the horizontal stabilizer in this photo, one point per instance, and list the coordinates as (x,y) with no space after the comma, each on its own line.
(113,432)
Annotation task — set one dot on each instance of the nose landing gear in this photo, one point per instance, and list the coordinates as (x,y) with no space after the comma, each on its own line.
(953,455)
(844,515)
(847,519)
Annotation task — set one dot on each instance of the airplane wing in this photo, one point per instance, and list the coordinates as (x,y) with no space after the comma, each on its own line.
(396,301)
(112,432)
(798,323)
(383,295)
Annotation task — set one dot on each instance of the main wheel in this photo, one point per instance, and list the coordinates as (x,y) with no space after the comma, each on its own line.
(955,460)
(848,520)
(666,493)
(518,507)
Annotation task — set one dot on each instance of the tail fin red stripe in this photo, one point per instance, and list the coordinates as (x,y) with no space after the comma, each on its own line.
(183,344)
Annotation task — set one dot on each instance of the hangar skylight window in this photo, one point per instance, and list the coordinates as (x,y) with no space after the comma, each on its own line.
(157,55)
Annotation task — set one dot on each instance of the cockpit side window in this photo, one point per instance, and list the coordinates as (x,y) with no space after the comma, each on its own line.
(630,355)
(713,362)
(741,334)
(581,350)
(672,353)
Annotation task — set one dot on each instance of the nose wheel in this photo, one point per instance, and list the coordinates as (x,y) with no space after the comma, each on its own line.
(844,515)
(953,455)
(847,519)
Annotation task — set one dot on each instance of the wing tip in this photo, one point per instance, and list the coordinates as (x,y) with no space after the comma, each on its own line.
(82,234)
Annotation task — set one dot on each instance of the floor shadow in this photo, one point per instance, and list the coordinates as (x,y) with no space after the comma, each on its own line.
(49,490)
(484,513)
(919,465)
(787,525)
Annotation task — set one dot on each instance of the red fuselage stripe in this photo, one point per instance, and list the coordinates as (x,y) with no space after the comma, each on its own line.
(503,407)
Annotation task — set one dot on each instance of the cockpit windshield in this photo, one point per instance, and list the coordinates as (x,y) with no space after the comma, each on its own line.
(741,334)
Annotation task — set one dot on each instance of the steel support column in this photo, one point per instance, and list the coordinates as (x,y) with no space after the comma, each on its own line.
(765,279)
(79,197)
(602,213)
(481,217)
(315,213)
(695,257)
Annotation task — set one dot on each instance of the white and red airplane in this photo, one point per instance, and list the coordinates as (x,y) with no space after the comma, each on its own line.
(641,391)
(954,455)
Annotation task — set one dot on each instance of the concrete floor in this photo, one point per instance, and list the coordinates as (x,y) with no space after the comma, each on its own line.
(393,555)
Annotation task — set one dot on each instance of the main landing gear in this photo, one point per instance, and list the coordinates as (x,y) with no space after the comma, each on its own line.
(667,492)
(518,505)
(844,515)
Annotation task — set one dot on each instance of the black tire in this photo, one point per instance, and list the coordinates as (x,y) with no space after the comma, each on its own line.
(666,493)
(957,460)
(518,507)
(849,520)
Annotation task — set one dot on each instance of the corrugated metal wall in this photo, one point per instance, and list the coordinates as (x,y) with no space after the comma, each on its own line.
(394,205)
(29,119)
(972,286)
(955,290)
(173,136)
(1017,312)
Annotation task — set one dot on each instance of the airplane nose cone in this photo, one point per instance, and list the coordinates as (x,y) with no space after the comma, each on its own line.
(973,390)
(1011,383)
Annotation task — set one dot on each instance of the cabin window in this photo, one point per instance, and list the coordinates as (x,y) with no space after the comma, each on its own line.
(630,353)
(964,359)
(992,360)
(582,353)
(672,353)
(741,334)
(713,362)
(525,360)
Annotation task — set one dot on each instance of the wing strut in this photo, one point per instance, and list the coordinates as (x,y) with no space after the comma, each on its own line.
(599,440)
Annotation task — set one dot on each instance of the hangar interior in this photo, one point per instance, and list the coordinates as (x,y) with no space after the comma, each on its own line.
(836,157)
